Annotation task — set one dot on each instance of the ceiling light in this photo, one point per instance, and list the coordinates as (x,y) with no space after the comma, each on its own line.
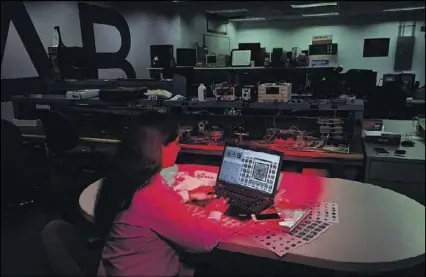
(228,11)
(314,5)
(248,19)
(319,14)
(404,9)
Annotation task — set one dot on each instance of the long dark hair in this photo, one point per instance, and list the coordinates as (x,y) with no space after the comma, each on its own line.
(137,160)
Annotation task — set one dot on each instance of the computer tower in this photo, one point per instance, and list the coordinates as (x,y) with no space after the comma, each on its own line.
(276,56)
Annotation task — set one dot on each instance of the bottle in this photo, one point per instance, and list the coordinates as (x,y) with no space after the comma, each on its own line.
(201,92)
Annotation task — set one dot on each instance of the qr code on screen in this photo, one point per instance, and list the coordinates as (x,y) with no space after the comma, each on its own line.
(260,171)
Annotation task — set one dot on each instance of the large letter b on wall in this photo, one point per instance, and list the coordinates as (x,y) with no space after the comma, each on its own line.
(89,15)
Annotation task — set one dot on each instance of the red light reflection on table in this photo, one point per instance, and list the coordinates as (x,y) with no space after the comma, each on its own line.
(300,189)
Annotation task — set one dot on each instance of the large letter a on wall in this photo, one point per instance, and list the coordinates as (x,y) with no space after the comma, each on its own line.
(90,14)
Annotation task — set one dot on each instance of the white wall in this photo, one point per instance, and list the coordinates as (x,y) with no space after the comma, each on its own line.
(147,27)
(350,39)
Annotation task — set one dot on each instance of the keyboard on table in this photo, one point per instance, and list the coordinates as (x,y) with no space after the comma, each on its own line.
(251,204)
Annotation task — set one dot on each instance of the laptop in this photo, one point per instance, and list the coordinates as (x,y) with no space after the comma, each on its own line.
(249,178)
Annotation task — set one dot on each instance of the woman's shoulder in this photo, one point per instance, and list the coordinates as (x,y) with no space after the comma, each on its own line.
(151,194)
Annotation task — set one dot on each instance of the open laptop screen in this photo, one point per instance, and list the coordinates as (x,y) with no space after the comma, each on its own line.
(250,169)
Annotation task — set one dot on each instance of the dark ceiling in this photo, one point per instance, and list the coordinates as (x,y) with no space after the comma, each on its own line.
(282,10)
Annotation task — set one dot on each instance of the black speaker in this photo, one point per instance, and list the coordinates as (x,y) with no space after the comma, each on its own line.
(276,56)
(161,55)
(186,57)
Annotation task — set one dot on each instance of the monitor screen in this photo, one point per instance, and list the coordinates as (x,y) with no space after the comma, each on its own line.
(376,47)
(250,169)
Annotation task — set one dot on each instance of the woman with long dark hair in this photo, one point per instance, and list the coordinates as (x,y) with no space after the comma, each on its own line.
(145,222)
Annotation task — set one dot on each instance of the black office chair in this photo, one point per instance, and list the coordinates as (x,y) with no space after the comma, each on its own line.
(68,253)
(62,141)
(23,173)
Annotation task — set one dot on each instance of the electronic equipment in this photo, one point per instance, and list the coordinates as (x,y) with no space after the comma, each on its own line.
(186,56)
(276,57)
(400,153)
(202,51)
(224,92)
(294,53)
(262,217)
(267,58)
(161,55)
(303,59)
(249,179)
(220,60)
(240,57)
(389,78)
(323,60)
(74,63)
(246,93)
(82,94)
(408,143)
(380,151)
(255,52)
(272,92)
(383,138)
(323,49)
(211,60)
(408,80)
(353,85)
(293,217)
(373,125)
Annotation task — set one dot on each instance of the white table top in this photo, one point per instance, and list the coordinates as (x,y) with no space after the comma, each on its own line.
(379,229)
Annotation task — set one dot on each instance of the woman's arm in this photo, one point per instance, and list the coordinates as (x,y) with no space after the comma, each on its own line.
(166,214)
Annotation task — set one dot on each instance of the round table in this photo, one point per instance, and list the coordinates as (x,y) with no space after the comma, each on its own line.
(378,229)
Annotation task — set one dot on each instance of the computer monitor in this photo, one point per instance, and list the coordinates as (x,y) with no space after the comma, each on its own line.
(360,81)
(161,55)
(186,56)
(256,53)
(250,169)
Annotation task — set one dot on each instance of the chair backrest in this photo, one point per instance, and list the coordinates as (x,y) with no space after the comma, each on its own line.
(68,253)
(61,134)
(11,141)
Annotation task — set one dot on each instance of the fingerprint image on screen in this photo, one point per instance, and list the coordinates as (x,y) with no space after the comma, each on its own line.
(260,171)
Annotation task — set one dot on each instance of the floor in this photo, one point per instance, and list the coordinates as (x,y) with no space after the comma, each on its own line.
(22,250)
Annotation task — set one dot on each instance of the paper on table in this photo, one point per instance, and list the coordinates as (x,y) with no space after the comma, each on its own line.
(189,183)
(310,230)
(278,242)
(326,212)
(208,177)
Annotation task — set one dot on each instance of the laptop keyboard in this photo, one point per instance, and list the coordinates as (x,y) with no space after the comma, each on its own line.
(253,205)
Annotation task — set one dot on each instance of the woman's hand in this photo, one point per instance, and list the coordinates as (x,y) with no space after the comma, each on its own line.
(202,193)
(219,205)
